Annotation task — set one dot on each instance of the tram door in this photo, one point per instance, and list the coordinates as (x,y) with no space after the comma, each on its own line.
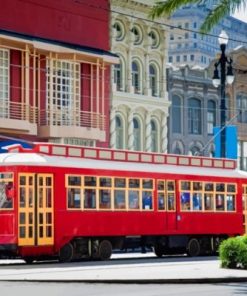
(35,210)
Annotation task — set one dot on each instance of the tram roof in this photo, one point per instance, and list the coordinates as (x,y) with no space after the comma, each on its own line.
(35,159)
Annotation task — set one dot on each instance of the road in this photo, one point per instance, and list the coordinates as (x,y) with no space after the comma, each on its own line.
(79,289)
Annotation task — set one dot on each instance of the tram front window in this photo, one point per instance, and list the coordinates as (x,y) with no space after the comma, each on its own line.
(6,191)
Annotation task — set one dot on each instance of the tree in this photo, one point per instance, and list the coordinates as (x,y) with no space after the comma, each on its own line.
(222,9)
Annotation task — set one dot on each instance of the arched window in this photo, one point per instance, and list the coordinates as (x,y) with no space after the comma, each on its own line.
(119,133)
(154,137)
(137,134)
(242,108)
(136,77)
(119,75)
(194,116)
(176,114)
(153,78)
(211,116)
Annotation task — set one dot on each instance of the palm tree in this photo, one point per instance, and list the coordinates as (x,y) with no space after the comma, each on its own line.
(224,8)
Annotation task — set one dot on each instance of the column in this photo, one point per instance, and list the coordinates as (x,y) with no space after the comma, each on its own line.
(130,131)
(164,133)
(148,139)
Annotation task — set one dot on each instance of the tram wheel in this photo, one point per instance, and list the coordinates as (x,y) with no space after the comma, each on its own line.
(105,250)
(193,247)
(66,253)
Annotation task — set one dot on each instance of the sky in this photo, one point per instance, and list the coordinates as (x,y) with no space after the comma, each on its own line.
(241,15)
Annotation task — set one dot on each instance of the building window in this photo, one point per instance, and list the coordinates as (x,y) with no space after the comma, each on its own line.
(171,37)
(170,59)
(185,58)
(136,30)
(118,75)
(153,78)
(211,117)
(192,57)
(186,35)
(154,137)
(63,92)
(194,116)
(242,108)
(177,59)
(137,134)
(119,133)
(136,77)
(155,40)
(4,86)
(120,31)
(176,114)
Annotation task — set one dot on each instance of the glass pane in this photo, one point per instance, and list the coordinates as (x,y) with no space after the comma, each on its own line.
(30,231)
(89,181)
(185,185)
(161,201)
(22,233)
(22,197)
(185,201)
(171,202)
(134,183)
(220,202)
(147,200)
(105,199)
(22,180)
(170,186)
(105,182)
(209,186)
(40,197)
(231,188)
(89,198)
(41,220)
(147,183)
(161,185)
(230,202)
(197,186)
(48,218)
(41,234)
(22,218)
(74,180)
(48,181)
(119,199)
(197,201)
(220,187)
(120,182)
(74,198)
(48,231)
(30,218)
(48,198)
(208,202)
(133,199)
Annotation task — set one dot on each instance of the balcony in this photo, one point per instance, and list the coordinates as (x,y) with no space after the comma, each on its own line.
(65,122)
(18,118)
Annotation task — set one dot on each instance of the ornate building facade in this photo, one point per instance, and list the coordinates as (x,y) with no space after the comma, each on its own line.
(139,102)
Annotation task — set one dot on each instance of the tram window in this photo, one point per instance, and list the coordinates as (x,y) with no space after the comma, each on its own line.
(161,201)
(197,201)
(48,181)
(48,198)
(134,183)
(89,198)
(171,202)
(170,186)
(119,199)
(22,197)
(209,186)
(147,200)
(90,181)
(74,198)
(6,195)
(120,182)
(22,218)
(22,180)
(185,185)
(230,202)
(208,202)
(185,201)
(197,186)
(220,187)
(161,185)
(74,181)
(105,182)
(133,199)
(22,230)
(105,198)
(220,202)
(231,188)
(147,183)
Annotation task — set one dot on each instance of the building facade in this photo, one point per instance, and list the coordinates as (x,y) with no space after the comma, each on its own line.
(187,46)
(194,111)
(139,101)
(55,67)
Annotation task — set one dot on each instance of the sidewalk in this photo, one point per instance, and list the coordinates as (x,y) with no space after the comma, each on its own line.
(144,269)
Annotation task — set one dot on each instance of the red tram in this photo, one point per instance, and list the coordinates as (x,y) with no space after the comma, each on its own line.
(81,202)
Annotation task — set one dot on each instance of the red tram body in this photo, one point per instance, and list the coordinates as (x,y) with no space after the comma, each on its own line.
(80,202)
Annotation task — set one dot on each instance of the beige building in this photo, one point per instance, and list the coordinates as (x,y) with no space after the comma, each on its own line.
(139,101)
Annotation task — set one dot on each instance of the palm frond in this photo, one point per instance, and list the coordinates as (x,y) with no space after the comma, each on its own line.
(167,7)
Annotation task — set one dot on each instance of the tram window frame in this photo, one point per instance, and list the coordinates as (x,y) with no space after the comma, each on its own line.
(105,193)
(7,191)
(74,191)
(222,196)
(165,190)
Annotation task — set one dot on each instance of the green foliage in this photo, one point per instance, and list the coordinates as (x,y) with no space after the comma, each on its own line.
(221,10)
(233,252)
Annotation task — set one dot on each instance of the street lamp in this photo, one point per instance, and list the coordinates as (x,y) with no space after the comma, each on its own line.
(225,77)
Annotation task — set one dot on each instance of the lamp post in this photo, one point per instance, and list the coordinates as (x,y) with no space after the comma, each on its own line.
(225,77)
